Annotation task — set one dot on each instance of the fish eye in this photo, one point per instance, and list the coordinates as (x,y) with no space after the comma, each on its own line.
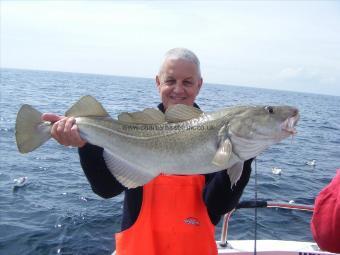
(269,109)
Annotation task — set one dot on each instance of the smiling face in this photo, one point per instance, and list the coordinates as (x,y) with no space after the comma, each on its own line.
(178,82)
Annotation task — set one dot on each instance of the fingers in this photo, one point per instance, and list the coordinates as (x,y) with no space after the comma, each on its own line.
(51,117)
(65,131)
(76,137)
(68,124)
(57,131)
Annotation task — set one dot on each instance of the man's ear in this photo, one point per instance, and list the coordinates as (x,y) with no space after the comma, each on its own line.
(200,84)
(158,82)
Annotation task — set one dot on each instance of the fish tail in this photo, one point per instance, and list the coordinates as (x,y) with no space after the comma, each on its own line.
(30,131)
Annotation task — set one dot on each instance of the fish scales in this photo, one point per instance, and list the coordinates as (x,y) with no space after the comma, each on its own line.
(139,146)
(152,147)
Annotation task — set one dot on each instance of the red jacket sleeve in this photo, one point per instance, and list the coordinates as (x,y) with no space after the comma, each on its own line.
(325,224)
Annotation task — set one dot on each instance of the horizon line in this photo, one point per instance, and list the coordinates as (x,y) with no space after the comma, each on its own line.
(211,83)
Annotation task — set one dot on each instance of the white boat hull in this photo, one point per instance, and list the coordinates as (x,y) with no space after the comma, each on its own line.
(270,247)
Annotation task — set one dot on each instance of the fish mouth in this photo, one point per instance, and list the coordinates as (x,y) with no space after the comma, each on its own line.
(289,124)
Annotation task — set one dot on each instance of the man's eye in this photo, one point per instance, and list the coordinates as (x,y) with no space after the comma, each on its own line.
(188,83)
(169,81)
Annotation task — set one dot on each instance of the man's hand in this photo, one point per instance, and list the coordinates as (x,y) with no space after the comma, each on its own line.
(64,130)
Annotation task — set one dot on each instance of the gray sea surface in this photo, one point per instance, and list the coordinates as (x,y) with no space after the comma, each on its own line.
(56,212)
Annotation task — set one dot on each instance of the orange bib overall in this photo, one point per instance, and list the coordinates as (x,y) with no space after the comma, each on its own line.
(173,220)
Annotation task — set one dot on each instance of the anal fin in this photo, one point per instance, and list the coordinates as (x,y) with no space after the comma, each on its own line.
(128,175)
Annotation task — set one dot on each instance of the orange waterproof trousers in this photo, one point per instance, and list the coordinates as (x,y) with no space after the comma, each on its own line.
(173,220)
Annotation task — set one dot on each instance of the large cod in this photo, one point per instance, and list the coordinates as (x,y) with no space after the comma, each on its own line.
(141,145)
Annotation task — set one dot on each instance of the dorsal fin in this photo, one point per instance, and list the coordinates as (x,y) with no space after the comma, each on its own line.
(181,112)
(147,116)
(125,117)
(87,106)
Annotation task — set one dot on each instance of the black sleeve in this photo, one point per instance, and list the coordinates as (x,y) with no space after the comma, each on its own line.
(103,183)
(219,197)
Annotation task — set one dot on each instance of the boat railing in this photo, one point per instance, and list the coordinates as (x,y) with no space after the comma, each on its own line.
(259,204)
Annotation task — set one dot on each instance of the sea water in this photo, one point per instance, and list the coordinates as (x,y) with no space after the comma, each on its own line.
(56,212)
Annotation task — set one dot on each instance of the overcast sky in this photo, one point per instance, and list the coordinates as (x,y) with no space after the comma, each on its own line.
(292,45)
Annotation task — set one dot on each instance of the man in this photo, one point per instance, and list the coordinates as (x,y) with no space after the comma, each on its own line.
(325,223)
(170,214)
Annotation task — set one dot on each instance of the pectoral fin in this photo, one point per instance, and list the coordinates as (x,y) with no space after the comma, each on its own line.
(223,153)
(235,173)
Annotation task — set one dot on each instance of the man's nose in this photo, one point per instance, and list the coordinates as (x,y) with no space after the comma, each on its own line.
(179,87)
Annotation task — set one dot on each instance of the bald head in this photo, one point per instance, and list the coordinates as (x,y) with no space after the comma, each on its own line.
(183,54)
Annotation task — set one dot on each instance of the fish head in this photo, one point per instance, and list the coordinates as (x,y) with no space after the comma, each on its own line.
(255,128)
